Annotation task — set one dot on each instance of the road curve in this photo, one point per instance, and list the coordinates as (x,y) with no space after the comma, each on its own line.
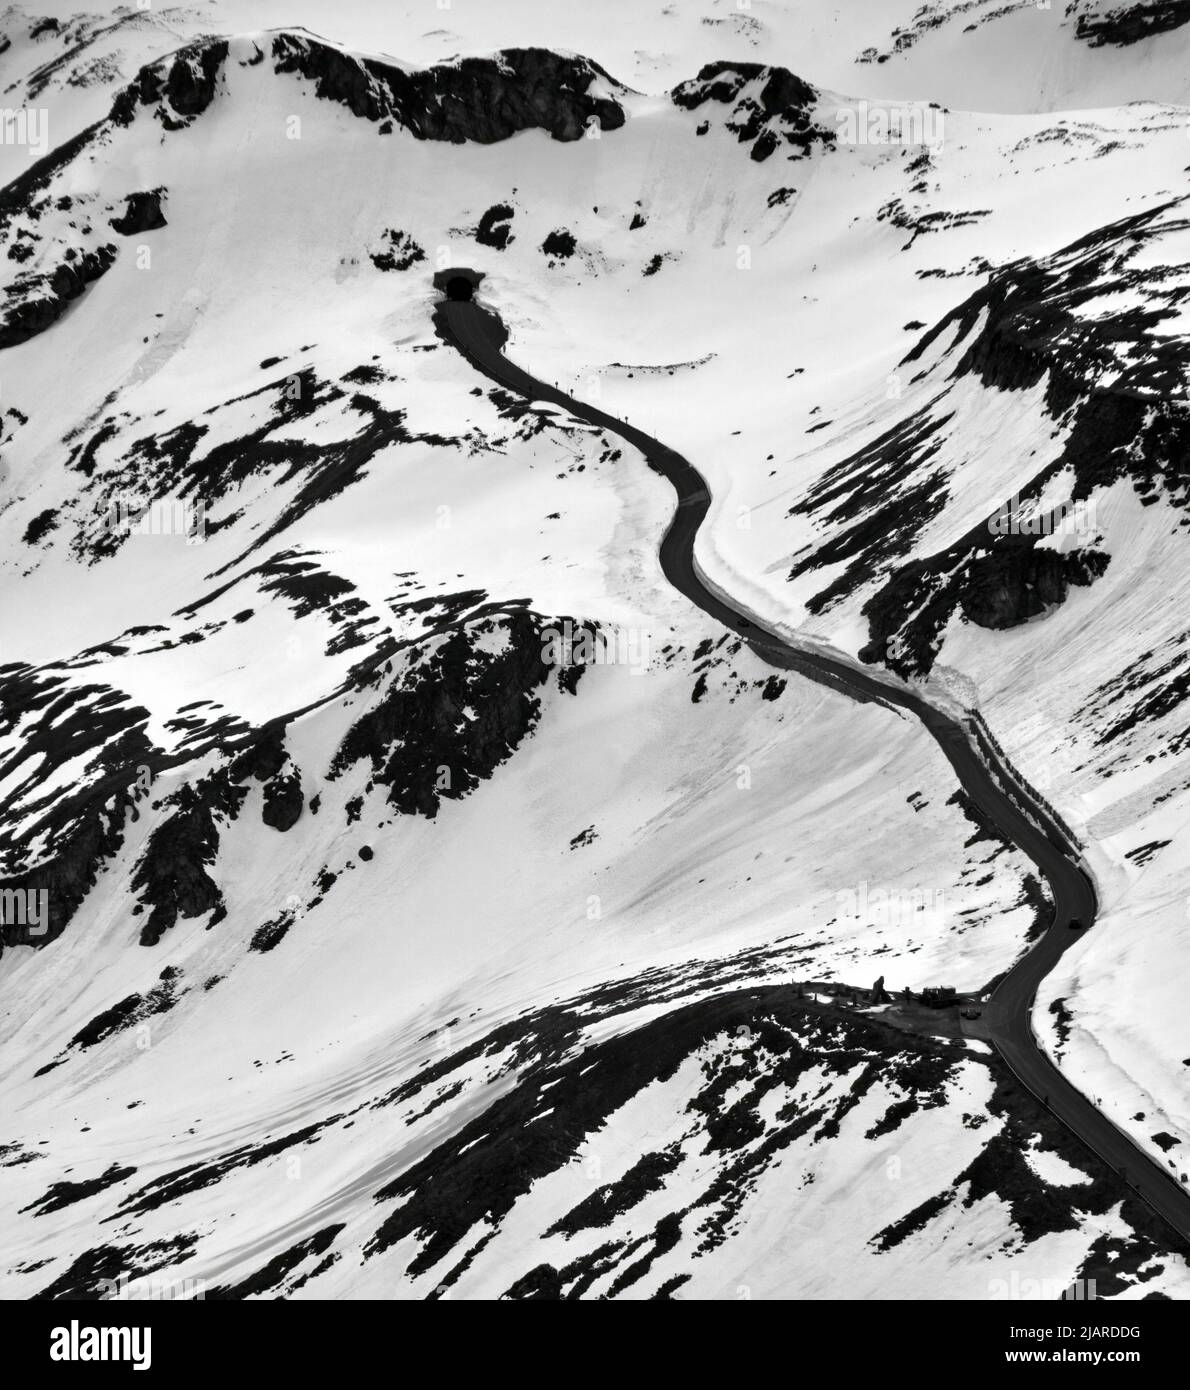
(480,336)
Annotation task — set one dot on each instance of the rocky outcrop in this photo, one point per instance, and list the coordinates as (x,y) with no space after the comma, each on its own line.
(1113,380)
(1130,24)
(398,251)
(271,933)
(479,99)
(1014,584)
(265,760)
(62,883)
(456,714)
(142,213)
(495,227)
(559,243)
(769,105)
(283,801)
(132,1009)
(995,582)
(1026,321)
(181,87)
(35,302)
(171,878)
(54,845)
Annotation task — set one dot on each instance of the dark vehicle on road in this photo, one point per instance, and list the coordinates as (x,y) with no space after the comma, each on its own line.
(971,1013)
(1077,924)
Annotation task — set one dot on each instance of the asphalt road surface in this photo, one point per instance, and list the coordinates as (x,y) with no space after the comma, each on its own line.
(480,336)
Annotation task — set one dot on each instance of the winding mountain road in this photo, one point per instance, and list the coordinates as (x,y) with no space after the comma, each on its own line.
(480,336)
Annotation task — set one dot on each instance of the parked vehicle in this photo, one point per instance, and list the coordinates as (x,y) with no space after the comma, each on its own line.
(1077,924)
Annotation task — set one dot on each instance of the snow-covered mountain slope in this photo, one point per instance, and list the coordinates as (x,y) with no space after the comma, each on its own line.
(384,954)
(984,55)
(1004,509)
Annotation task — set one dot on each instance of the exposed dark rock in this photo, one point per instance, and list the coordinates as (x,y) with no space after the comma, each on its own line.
(94,1270)
(172,874)
(187,82)
(132,1009)
(1113,381)
(1016,583)
(193,1177)
(81,830)
(41,525)
(272,933)
(1130,24)
(263,758)
(21,194)
(471,1180)
(420,743)
(64,1194)
(272,1274)
(399,253)
(601,1208)
(142,213)
(480,99)
(35,302)
(495,227)
(779,107)
(763,146)
(560,242)
(283,801)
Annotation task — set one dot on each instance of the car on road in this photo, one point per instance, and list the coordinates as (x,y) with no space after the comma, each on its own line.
(971,1013)
(1076,924)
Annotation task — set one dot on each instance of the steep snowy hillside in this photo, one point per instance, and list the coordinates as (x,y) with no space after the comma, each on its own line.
(407,893)
(984,55)
(1010,521)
